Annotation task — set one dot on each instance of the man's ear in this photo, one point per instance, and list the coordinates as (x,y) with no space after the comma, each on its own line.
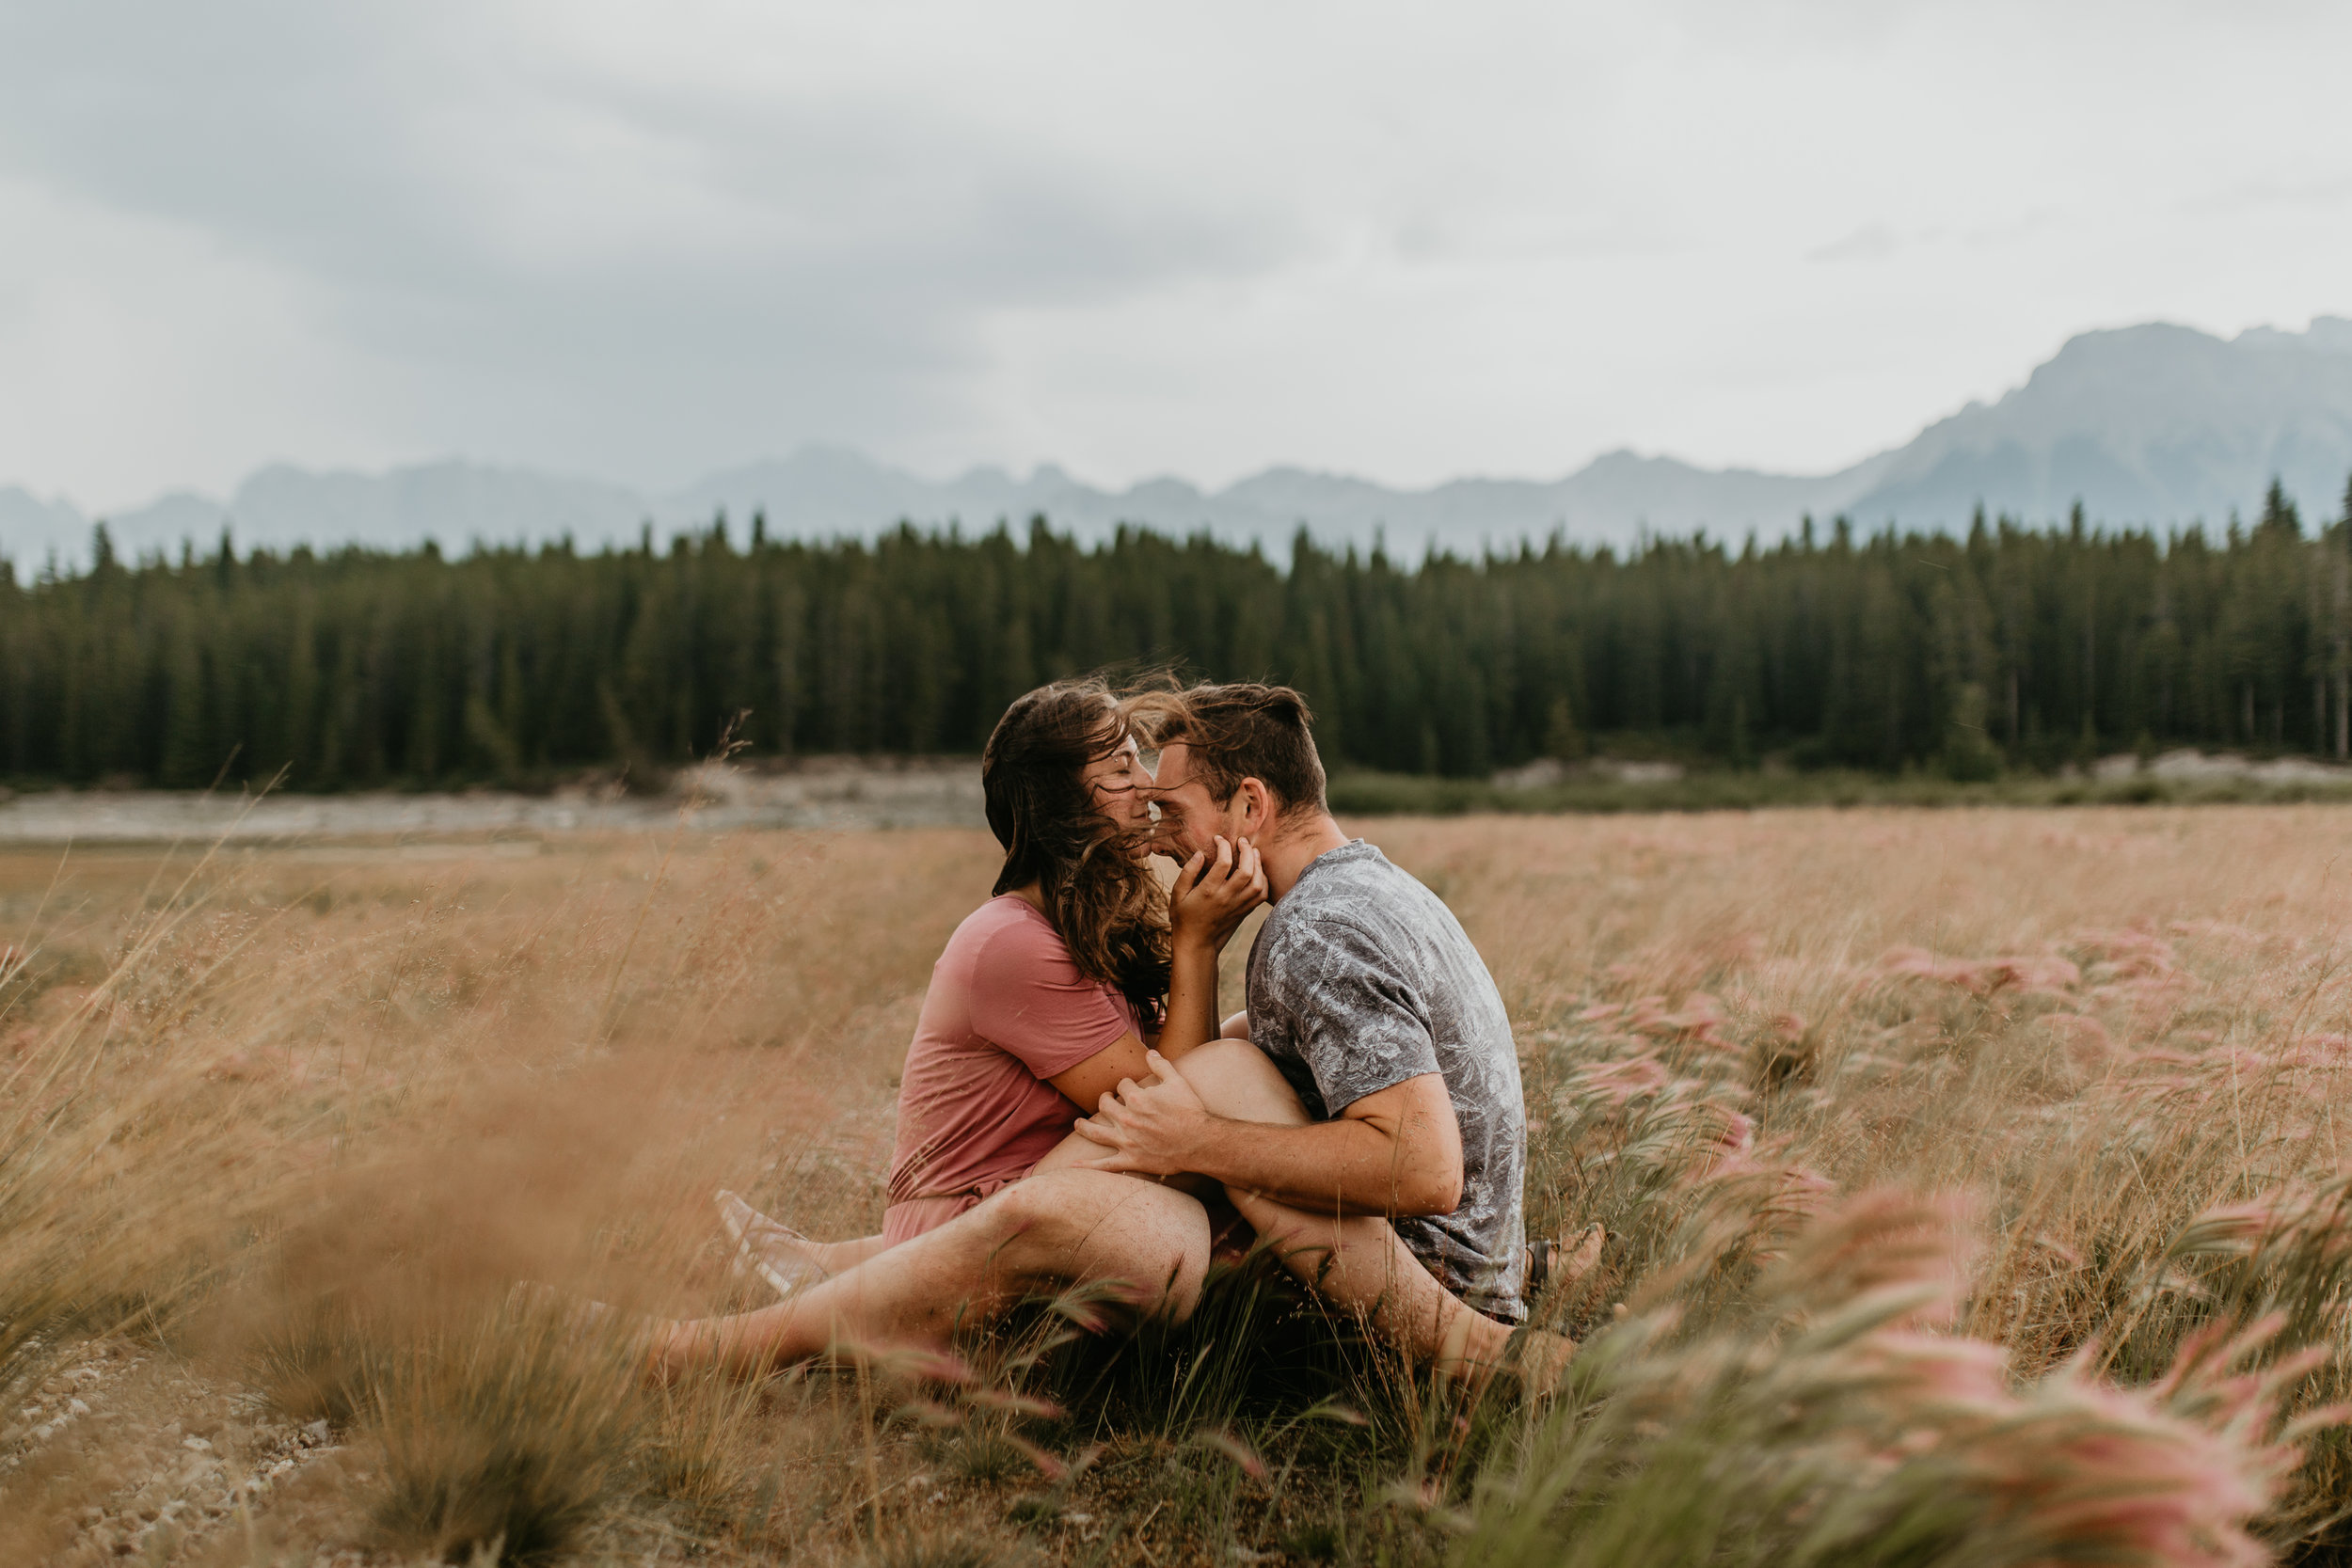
(1257,808)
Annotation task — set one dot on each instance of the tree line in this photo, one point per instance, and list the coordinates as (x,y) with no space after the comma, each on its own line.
(2006,647)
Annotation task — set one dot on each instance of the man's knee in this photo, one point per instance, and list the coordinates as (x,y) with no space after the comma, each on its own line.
(1237,1081)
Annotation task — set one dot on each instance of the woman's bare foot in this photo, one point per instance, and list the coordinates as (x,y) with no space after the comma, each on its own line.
(781,1256)
(653,1344)
(574,1311)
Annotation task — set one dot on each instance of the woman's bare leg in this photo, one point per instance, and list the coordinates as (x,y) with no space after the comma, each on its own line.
(1047,1232)
(841,1256)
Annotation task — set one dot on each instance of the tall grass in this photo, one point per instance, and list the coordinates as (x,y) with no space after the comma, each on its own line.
(1832,1420)
(1973,1184)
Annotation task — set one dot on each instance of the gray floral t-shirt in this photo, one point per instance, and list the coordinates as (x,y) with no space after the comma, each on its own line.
(1361,978)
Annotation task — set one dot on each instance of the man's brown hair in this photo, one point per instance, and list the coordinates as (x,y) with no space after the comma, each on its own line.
(1238,731)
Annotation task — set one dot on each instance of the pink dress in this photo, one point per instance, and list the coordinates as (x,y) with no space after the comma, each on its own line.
(1006,1010)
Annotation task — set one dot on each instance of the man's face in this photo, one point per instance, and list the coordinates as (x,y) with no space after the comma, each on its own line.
(1190,821)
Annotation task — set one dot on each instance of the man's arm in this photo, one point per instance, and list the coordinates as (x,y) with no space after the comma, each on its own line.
(1395,1151)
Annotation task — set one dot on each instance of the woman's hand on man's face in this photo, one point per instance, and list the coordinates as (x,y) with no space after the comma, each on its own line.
(1213,893)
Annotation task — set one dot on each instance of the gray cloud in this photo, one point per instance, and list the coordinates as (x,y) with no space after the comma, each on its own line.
(1869,242)
(547,251)
(643,243)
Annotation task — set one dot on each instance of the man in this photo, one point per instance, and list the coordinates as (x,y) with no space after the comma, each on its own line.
(1371,1125)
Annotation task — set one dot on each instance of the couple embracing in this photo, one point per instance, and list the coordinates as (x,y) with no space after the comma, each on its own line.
(1363,1117)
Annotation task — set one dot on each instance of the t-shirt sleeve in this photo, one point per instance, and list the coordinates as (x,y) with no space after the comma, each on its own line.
(1360,1027)
(1028,997)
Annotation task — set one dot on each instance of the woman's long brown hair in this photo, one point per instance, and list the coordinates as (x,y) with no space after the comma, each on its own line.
(1110,910)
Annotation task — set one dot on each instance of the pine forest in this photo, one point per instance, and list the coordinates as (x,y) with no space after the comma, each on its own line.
(2010,647)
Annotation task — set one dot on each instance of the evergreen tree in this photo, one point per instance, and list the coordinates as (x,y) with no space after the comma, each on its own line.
(2010,647)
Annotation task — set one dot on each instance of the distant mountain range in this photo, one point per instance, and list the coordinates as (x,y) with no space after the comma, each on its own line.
(2155,424)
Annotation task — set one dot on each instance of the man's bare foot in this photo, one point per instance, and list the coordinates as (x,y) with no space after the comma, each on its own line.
(1476,1351)
(1538,1358)
(1576,1253)
(781,1256)
(1565,1259)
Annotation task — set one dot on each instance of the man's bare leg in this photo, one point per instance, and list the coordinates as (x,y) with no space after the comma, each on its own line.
(1052,1230)
(1356,1261)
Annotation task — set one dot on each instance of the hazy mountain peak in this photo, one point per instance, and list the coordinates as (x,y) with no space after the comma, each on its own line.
(2156,423)
(2151,423)
(2331,333)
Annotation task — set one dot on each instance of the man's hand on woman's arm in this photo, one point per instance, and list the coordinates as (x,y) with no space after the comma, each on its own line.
(1397,1150)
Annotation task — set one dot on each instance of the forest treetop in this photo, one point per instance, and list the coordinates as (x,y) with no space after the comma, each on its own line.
(2008,646)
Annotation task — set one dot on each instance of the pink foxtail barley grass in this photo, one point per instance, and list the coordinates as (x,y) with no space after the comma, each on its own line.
(1973,1184)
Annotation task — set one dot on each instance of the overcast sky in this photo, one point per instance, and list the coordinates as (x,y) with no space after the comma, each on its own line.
(644,240)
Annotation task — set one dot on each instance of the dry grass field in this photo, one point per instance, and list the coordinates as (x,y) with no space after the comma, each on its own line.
(1973,1184)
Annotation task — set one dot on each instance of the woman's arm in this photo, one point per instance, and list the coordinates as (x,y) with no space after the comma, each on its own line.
(1205,906)
(1091,1082)
(1087,1082)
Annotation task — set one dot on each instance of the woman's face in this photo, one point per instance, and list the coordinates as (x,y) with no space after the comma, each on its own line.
(1121,787)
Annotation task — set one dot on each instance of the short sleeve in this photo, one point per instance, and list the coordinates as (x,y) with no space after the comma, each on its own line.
(1360,1027)
(1028,997)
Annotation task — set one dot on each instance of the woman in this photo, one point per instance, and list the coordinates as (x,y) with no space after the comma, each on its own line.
(1046,996)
